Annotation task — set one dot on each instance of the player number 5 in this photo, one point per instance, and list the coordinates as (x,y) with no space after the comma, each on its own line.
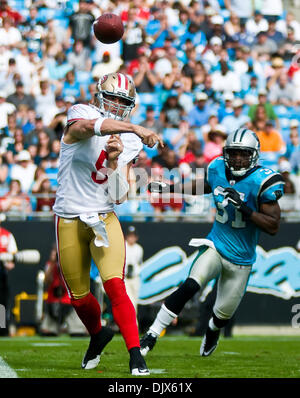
(99,166)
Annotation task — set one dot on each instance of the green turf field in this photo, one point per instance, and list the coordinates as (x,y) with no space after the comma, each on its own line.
(173,357)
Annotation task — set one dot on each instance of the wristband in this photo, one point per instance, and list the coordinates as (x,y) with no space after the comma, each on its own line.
(246,210)
(97,126)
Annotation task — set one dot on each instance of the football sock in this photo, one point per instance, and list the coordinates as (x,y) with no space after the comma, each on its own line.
(123,311)
(177,300)
(162,320)
(88,310)
(216,323)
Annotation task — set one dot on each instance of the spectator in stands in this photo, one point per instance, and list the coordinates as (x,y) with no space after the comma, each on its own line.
(285,170)
(39,176)
(242,8)
(9,35)
(201,111)
(272,10)
(217,25)
(19,97)
(214,144)
(211,55)
(263,45)
(7,11)
(289,22)
(187,152)
(270,139)
(3,174)
(24,170)
(151,122)
(268,107)
(196,36)
(145,79)
(45,102)
(15,200)
(160,32)
(232,26)
(71,87)
(43,147)
(80,57)
(15,147)
(8,133)
(176,136)
(294,139)
(282,92)
(198,76)
(45,196)
(6,109)
(295,162)
(257,23)
(32,137)
(224,79)
(108,64)
(133,36)
(238,119)
(274,34)
(290,46)
(50,47)
(80,25)
(172,112)
(51,169)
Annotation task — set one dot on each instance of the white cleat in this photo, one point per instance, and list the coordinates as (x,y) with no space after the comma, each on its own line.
(91,364)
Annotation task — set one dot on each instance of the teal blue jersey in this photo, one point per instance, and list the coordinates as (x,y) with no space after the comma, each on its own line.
(234,237)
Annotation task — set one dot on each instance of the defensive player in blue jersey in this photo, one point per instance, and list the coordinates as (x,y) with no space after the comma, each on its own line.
(246,198)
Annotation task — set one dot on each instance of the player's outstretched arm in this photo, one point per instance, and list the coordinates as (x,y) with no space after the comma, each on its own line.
(83,129)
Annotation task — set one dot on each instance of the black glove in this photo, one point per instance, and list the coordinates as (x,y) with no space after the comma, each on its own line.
(160,187)
(233,196)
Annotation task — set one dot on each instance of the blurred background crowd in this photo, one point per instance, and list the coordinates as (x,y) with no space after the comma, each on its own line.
(201,68)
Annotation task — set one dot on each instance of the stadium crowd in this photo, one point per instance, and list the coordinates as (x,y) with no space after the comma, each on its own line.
(201,68)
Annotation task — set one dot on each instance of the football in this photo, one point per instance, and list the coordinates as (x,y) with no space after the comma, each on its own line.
(108,28)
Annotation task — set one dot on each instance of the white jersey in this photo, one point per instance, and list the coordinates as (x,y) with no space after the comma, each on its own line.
(82,187)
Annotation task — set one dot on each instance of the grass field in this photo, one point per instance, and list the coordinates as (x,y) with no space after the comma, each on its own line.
(173,357)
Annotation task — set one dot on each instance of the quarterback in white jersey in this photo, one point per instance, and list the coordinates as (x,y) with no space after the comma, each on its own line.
(97,150)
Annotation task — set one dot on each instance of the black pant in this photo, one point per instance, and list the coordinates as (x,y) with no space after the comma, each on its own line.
(4,299)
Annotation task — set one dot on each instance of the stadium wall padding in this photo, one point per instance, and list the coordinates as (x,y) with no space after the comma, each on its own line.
(256,308)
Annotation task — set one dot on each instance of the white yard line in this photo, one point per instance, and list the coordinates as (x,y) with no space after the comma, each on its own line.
(5,371)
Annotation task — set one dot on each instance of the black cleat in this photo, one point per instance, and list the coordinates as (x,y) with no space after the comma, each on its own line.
(147,343)
(209,342)
(96,346)
(137,363)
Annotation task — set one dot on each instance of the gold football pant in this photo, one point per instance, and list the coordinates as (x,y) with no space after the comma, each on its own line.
(76,248)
